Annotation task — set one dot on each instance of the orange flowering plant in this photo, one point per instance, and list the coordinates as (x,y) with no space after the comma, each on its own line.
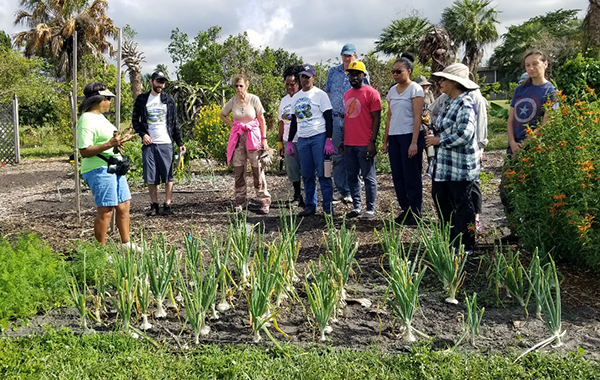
(553,183)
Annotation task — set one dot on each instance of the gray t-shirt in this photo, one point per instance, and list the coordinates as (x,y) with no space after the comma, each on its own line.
(403,117)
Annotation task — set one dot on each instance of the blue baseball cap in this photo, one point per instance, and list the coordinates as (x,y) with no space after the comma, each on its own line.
(308,70)
(348,49)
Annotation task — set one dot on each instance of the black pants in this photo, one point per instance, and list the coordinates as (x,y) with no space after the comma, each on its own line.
(455,204)
(477,197)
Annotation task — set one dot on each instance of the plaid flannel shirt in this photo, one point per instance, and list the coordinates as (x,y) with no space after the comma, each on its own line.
(457,158)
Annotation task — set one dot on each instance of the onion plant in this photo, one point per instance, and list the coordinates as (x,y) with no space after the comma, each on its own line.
(126,284)
(403,280)
(241,236)
(219,249)
(341,250)
(98,296)
(543,281)
(390,237)
(192,247)
(287,232)
(510,274)
(322,294)
(473,319)
(78,295)
(535,275)
(160,265)
(265,275)
(199,290)
(446,261)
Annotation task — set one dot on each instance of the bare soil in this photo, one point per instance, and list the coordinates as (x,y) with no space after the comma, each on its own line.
(38,196)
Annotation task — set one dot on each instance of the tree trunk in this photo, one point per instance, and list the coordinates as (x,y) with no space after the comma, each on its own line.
(135,81)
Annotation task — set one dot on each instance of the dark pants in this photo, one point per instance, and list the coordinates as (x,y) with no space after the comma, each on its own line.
(406,172)
(455,204)
(477,197)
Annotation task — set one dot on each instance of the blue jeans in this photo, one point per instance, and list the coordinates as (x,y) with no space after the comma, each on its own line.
(339,166)
(357,163)
(312,157)
(406,172)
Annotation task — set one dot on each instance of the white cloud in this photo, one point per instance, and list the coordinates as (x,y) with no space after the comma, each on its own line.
(313,29)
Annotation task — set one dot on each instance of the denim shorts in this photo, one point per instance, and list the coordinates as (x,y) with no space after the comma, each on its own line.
(108,189)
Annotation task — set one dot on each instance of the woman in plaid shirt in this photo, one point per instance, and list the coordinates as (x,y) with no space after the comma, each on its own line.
(457,165)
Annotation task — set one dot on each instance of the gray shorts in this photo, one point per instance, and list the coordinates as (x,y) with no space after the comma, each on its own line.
(158,163)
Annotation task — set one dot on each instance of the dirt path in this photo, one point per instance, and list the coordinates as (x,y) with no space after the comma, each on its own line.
(38,196)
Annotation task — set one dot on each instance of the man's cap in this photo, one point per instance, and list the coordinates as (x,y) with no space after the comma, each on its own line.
(159,75)
(348,49)
(308,70)
(422,81)
(106,93)
(358,66)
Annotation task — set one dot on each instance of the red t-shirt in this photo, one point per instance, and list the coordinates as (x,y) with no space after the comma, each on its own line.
(358,121)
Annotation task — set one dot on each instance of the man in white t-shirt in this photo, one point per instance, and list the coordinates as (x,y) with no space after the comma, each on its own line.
(155,120)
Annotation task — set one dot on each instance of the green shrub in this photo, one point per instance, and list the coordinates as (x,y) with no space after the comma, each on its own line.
(553,184)
(96,261)
(211,133)
(133,149)
(32,278)
(577,75)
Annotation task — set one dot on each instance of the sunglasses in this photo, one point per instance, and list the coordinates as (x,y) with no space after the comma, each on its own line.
(239,85)
(398,71)
(109,98)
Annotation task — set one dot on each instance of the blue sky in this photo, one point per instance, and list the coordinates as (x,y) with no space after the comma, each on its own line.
(313,29)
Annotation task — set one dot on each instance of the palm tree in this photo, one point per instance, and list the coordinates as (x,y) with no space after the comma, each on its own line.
(592,27)
(133,60)
(403,35)
(472,24)
(52,25)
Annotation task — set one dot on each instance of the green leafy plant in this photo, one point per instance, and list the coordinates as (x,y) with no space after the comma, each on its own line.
(32,278)
(291,247)
(210,131)
(126,283)
(219,249)
(473,319)
(510,274)
(241,236)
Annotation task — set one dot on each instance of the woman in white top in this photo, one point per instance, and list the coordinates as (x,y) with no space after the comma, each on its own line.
(292,163)
(247,141)
(404,140)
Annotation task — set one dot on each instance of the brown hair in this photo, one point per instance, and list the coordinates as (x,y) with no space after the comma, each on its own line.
(240,77)
(543,58)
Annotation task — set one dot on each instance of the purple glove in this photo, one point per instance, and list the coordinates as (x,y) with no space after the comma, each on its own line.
(290,148)
(328,148)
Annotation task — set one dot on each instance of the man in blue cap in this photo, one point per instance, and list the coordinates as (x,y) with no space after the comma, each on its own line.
(336,86)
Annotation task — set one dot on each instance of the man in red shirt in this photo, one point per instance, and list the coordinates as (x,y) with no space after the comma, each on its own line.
(362,116)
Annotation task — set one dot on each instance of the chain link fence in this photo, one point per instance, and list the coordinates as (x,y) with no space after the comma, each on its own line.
(9,133)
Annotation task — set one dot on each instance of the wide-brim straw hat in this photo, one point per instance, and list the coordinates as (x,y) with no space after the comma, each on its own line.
(459,73)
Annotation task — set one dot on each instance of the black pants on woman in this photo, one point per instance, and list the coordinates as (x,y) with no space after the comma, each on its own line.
(455,204)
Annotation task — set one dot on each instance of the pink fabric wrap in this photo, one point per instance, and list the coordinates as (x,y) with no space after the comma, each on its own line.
(253,136)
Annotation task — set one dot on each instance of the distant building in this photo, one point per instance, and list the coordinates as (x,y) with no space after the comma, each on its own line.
(490,74)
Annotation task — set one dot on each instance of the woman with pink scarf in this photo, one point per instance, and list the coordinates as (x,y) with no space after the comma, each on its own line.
(247,141)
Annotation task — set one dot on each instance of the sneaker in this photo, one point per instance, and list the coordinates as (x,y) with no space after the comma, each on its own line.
(368,215)
(347,200)
(406,219)
(132,247)
(306,212)
(166,209)
(153,209)
(353,214)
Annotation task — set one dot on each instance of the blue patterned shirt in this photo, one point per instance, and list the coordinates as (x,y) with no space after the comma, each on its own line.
(457,158)
(336,86)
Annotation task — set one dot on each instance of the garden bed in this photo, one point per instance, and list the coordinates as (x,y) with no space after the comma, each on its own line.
(38,196)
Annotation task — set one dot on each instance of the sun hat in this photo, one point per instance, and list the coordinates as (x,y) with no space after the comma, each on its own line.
(358,66)
(106,93)
(308,70)
(348,49)
(459,73)
(422,81)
